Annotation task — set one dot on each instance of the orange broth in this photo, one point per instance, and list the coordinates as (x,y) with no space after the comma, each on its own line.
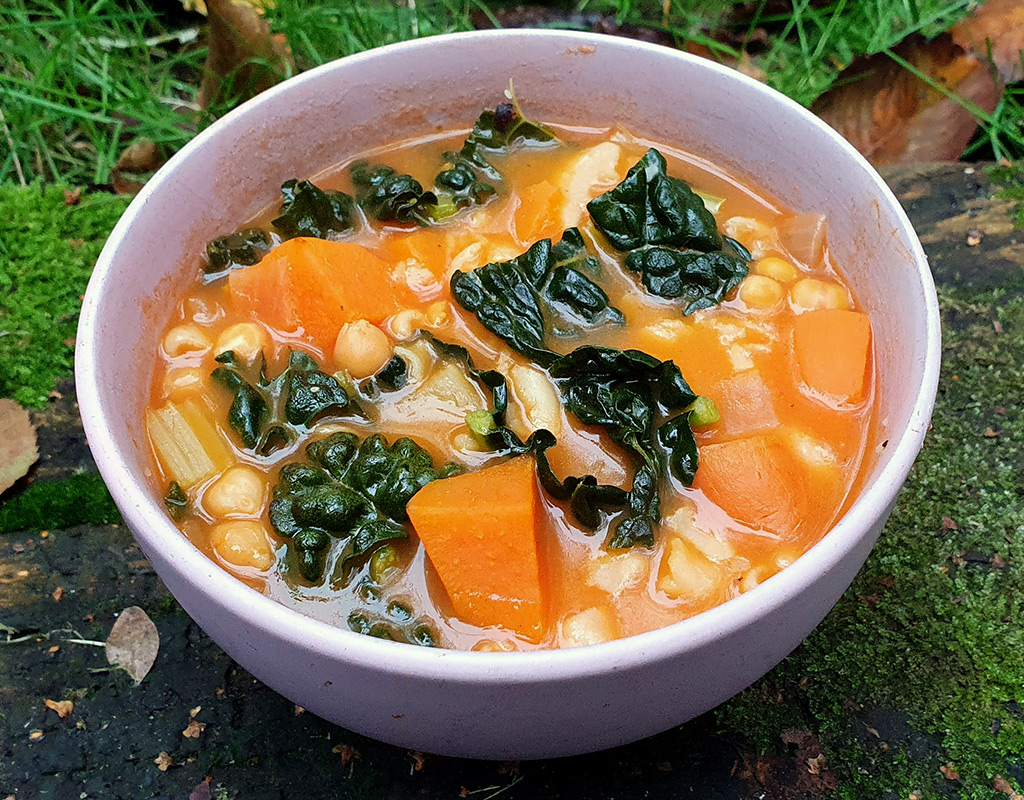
(755,506)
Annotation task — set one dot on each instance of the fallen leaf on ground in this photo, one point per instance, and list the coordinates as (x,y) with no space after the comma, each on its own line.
(35,736)
(194,712)
(164,762)
(134,166)
(18,449)
(133,643)
(62,707)
(244,57)
(996,27)
(894,117)
(202,791)
(949,772)
(418,760)
(58,593)
(193,729)
(949,524)
(72,196)
(347,752)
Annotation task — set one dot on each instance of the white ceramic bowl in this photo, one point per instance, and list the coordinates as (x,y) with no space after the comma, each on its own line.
(498,705)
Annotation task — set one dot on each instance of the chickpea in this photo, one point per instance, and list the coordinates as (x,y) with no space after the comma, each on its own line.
(361,349)
(182,382)
(760,292)
(778,268)
(240,491)
(245,339)
(183,339)
(811,294)
(243,543)
(407,321)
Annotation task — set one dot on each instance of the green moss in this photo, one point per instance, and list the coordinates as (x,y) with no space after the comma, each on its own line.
(1009,180)
(79,500)
(930,630)
(47,253)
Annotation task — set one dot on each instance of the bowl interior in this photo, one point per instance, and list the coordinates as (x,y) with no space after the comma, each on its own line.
(234,169)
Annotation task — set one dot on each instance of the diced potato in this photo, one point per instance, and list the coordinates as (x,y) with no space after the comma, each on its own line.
(685,573)
(187,444)
(614,573)
(592,172)
(243,543)
(240,492)
(591,626)
(447,394)
(684,523)
(539,398)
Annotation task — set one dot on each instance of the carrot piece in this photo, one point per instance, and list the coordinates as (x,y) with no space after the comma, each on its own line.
(539,215)
(480,532)
(832,347)
(755,480)
(313,287)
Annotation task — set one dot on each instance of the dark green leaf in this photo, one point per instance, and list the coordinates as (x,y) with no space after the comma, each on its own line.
(390,196)
(308,210)
(350,491)
(393,375)
(241,249)
(266,414)
(523,299)
(701,279)
(177,502)
(650,207)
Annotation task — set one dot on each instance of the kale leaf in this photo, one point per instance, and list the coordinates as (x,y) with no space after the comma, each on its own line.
(265,413)
(625,392)
(539,292)
(348,491)
(308,210)
(389,196)
(177,502)
(241,249)
(670,236)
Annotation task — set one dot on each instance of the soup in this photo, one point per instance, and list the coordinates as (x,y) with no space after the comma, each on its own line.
(583,387)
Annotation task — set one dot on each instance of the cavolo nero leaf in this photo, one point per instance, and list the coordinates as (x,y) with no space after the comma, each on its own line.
(350,492)
(308,210)
(541,292)
(390,196)
(241,249)
(671,238)
(626,392)
(266,413)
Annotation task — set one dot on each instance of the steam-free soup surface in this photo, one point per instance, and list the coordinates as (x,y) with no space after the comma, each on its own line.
(328,415)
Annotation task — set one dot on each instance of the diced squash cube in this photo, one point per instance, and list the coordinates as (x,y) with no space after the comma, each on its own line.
(312,287)
(480,531)
(755,480)
(832,348)
(746,404)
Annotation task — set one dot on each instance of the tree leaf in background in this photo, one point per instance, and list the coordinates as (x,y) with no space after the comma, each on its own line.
(308,210)
(18,449)
(133,643)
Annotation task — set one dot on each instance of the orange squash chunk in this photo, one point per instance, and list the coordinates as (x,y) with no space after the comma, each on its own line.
(480,532)
(755,480)
(539,215)
(313,287)
(832,348)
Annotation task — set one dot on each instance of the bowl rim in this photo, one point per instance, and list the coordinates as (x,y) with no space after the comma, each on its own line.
(148,522)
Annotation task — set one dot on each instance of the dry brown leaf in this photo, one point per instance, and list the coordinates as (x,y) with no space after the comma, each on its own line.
(894,117)
(62,707)
(35,736)
(193,729)
(18,449)
(202,791)
(134,166)
(244,57)
(164,762)
(949,524)
(347,752)
(133,643)
(998,24)
(58,593)
(949,772)
(72,196)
